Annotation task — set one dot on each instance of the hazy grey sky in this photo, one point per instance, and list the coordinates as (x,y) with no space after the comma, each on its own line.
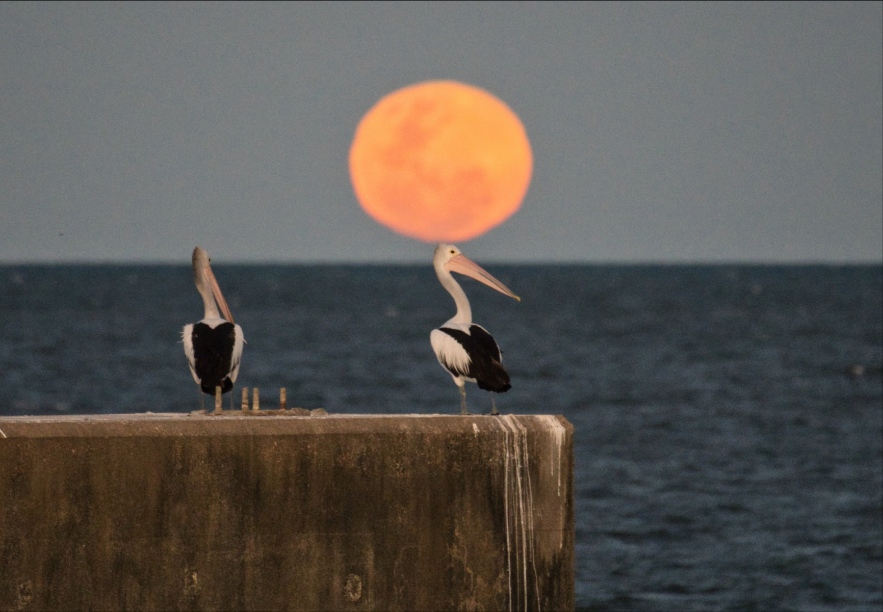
(660,132)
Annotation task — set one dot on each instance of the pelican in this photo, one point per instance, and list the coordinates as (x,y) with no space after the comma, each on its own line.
(214,345)
(466,350)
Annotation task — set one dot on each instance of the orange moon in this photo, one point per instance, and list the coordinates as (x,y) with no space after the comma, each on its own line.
(440,161)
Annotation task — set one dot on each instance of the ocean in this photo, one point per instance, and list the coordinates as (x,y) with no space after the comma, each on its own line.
(728,418)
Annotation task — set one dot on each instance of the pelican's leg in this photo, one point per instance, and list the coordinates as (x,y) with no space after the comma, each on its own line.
(494,411)
(201,399)
(463,409)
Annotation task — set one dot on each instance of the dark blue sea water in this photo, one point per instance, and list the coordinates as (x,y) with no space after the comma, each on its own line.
(728,419)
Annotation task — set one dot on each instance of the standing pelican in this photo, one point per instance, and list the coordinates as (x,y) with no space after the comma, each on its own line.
(214,345)
(466,350)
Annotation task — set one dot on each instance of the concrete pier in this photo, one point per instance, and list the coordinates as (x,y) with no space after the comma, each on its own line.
(232,512)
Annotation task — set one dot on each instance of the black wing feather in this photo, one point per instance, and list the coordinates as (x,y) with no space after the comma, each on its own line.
(485,366)
(213,351)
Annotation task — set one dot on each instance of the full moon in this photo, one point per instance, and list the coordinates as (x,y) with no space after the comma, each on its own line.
(440,161)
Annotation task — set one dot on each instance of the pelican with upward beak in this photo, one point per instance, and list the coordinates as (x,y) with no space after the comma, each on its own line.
(214,345)
(466,350)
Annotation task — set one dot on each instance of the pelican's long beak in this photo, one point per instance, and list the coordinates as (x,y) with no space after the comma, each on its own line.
(219,297)
(463,265)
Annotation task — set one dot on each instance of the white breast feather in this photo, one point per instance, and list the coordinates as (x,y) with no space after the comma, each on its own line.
(187,338)
(236,357)
(448,351)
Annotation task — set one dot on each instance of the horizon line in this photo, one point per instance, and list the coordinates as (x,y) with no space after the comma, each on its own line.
(489,261)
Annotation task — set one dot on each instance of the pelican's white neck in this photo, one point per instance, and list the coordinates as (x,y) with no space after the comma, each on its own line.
(208,302)
(464,310)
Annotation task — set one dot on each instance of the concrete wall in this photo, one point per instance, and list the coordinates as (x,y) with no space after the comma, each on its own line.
(195,512)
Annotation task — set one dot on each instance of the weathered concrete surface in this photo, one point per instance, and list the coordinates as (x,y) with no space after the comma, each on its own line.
(165,512)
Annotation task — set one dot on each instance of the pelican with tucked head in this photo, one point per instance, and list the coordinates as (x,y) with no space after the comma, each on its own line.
(213,345)
(466,350)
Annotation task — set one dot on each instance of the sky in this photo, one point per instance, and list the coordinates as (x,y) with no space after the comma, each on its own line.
(661,132)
